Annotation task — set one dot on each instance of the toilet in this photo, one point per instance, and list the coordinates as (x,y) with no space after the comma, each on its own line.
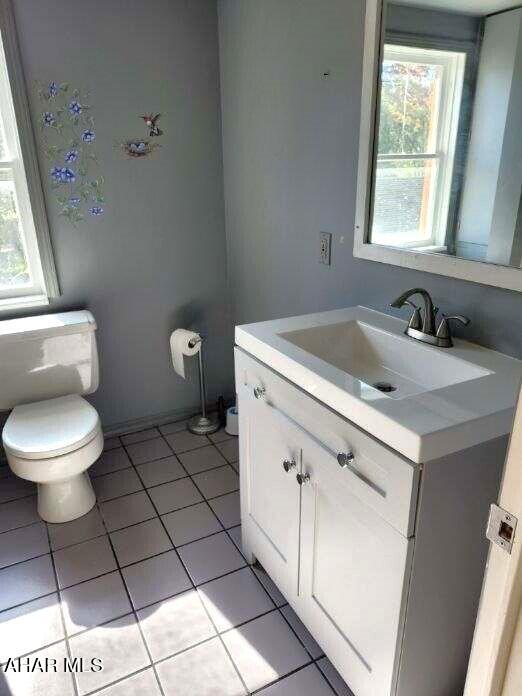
(52,435)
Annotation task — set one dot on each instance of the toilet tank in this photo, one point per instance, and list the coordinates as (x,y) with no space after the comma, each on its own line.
(46,356)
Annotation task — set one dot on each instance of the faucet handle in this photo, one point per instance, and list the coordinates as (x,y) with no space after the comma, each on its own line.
(443,332)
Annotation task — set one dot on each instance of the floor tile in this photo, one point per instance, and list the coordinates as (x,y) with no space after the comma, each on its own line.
(264,650)
(174,495)
(155,578)
(14,487)
(94,602)
(111,443)
(217,481)
(234,599)
(208,558)
(148,451)
(302,632)
(141,684)
(220,436)
(140,436)
(18,513)
(269,585)
(30,627)
(227,508)
(109,461)
(175,624)
(127,510)
(87,527)
(191,523)
(229,449)
(21,544)
(26,581)
(334,678)
(48,683)
(140,541)
(176,427)
(306,682)
(235,535)
(116,484)
(235,466)
(84,561)
(160,471)
(201,459)
(205,670)
(184,441)
(120,645)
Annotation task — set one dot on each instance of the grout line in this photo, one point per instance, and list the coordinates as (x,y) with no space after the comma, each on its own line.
(134,612)
(195,589)
(62,617)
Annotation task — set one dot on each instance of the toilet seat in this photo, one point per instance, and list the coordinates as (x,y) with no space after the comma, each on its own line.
(50,428)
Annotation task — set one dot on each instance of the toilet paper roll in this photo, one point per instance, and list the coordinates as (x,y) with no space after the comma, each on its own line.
(232,426)
(183,342)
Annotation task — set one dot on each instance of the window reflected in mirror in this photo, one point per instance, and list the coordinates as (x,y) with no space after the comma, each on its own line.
(447,174)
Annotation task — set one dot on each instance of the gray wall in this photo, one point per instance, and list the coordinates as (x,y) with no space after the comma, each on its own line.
(290,140)
(157,259)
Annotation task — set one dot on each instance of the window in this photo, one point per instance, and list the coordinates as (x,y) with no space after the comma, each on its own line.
(421,92)
(27,274)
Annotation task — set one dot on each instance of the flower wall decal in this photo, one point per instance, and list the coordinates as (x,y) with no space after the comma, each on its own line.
(68,135)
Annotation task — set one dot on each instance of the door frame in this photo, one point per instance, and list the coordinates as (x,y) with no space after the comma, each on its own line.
(496,653)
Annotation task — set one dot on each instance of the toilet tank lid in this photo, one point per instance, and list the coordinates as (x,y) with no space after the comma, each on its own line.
(45,325)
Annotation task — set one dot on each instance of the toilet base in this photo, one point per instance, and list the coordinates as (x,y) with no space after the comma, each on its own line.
(63,501)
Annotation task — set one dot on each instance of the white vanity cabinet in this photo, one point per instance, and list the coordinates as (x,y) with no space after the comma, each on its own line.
(355,552)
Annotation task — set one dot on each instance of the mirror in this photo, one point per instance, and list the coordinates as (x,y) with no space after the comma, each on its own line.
(444,170)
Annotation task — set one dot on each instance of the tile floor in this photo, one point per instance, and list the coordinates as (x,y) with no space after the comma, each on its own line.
(152,581)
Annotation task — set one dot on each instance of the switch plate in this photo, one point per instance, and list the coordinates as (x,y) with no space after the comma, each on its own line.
(325,248)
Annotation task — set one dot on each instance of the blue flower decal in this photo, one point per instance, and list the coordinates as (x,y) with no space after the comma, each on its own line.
(75,108)
(88,136)
(96,210)
(53,90)
(48,118)
(63,175)
(71,156)
(75,202)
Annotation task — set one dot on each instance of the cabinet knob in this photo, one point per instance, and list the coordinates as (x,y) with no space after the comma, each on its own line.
(345,459)
(302,479)
(289,464)
(259,392)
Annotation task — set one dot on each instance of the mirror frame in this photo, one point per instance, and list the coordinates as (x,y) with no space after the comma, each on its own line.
(451,266)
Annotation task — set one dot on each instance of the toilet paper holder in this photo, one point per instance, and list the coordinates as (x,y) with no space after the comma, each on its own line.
(203,423)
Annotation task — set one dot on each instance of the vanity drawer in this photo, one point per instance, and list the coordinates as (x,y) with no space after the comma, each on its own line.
(378,476)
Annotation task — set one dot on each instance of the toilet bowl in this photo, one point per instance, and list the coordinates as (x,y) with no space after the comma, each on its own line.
(52,435)
(53,443)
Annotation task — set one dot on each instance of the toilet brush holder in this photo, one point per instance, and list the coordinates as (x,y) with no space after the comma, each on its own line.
(203,423)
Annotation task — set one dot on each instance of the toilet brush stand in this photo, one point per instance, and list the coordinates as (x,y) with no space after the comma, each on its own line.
(203,424)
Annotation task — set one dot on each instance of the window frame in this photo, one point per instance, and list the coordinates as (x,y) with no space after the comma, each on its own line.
(30,194)
(453,62)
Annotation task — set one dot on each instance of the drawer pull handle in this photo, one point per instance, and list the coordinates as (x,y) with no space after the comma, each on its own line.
(302,479)
(259,392)
(345,459)
(289,464)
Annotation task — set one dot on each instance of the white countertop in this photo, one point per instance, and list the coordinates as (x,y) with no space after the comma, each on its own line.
(421,426)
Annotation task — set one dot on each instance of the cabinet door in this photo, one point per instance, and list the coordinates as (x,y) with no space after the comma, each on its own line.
(270,495)
(353,575)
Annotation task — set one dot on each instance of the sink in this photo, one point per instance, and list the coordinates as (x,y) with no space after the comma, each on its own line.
(390,363)
(423,401)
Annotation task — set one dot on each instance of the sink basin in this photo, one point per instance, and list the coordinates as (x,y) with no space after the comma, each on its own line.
(442,400)
(392,364)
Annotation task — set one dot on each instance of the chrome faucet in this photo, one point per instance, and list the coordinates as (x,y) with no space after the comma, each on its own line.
(422,322)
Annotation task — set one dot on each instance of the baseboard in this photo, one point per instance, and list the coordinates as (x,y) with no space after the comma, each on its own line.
(136,424)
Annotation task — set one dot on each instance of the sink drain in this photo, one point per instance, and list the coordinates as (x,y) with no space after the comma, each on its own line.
(385,387)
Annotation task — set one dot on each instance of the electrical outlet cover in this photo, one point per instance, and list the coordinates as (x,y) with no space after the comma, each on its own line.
(325,248)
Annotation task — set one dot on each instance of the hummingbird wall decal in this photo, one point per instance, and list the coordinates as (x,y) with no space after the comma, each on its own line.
(150,122)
